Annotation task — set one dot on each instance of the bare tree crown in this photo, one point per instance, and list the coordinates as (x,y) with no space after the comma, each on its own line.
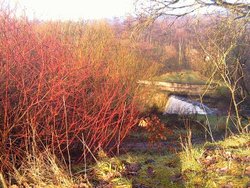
(178,8)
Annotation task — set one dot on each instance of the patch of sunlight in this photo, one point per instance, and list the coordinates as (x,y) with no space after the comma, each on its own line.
(229,161)
(189,161)
(235,141)
(110,170)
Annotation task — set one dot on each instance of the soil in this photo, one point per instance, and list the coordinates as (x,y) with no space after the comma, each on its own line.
(168,145)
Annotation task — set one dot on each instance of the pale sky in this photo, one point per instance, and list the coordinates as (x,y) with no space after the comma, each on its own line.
(76,9)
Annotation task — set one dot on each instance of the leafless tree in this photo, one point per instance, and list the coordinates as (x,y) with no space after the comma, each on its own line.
(223,42)
(178,8)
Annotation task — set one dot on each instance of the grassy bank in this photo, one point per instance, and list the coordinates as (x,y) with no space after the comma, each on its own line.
(224,163)
(221,164)
(183,77)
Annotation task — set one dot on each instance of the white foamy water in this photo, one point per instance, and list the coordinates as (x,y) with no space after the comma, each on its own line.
(182,106)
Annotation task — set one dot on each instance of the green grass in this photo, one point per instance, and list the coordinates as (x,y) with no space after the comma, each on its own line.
(192,77)
(235,142)
(164,167)
(110,171)
(197,122)
(184,168)
(187,77)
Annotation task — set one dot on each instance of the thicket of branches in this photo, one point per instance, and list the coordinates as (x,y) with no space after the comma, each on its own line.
(64,87)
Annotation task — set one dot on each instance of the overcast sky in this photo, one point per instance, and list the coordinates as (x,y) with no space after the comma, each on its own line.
(76,9)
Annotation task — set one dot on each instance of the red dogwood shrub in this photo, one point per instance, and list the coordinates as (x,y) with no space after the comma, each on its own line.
(51,98)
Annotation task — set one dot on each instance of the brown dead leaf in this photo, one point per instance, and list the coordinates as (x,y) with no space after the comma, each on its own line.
(223,170)
(176,178)
(150,171)
(247,171)
(228,185)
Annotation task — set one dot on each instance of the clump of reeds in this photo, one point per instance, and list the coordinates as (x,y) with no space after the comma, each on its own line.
(42,170)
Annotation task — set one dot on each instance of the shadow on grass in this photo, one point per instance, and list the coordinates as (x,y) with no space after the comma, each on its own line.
(156,168)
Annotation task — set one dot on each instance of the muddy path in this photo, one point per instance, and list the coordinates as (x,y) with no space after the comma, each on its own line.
(171,144)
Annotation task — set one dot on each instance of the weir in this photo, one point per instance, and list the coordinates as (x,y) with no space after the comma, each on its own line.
(182,106)
(180,88)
